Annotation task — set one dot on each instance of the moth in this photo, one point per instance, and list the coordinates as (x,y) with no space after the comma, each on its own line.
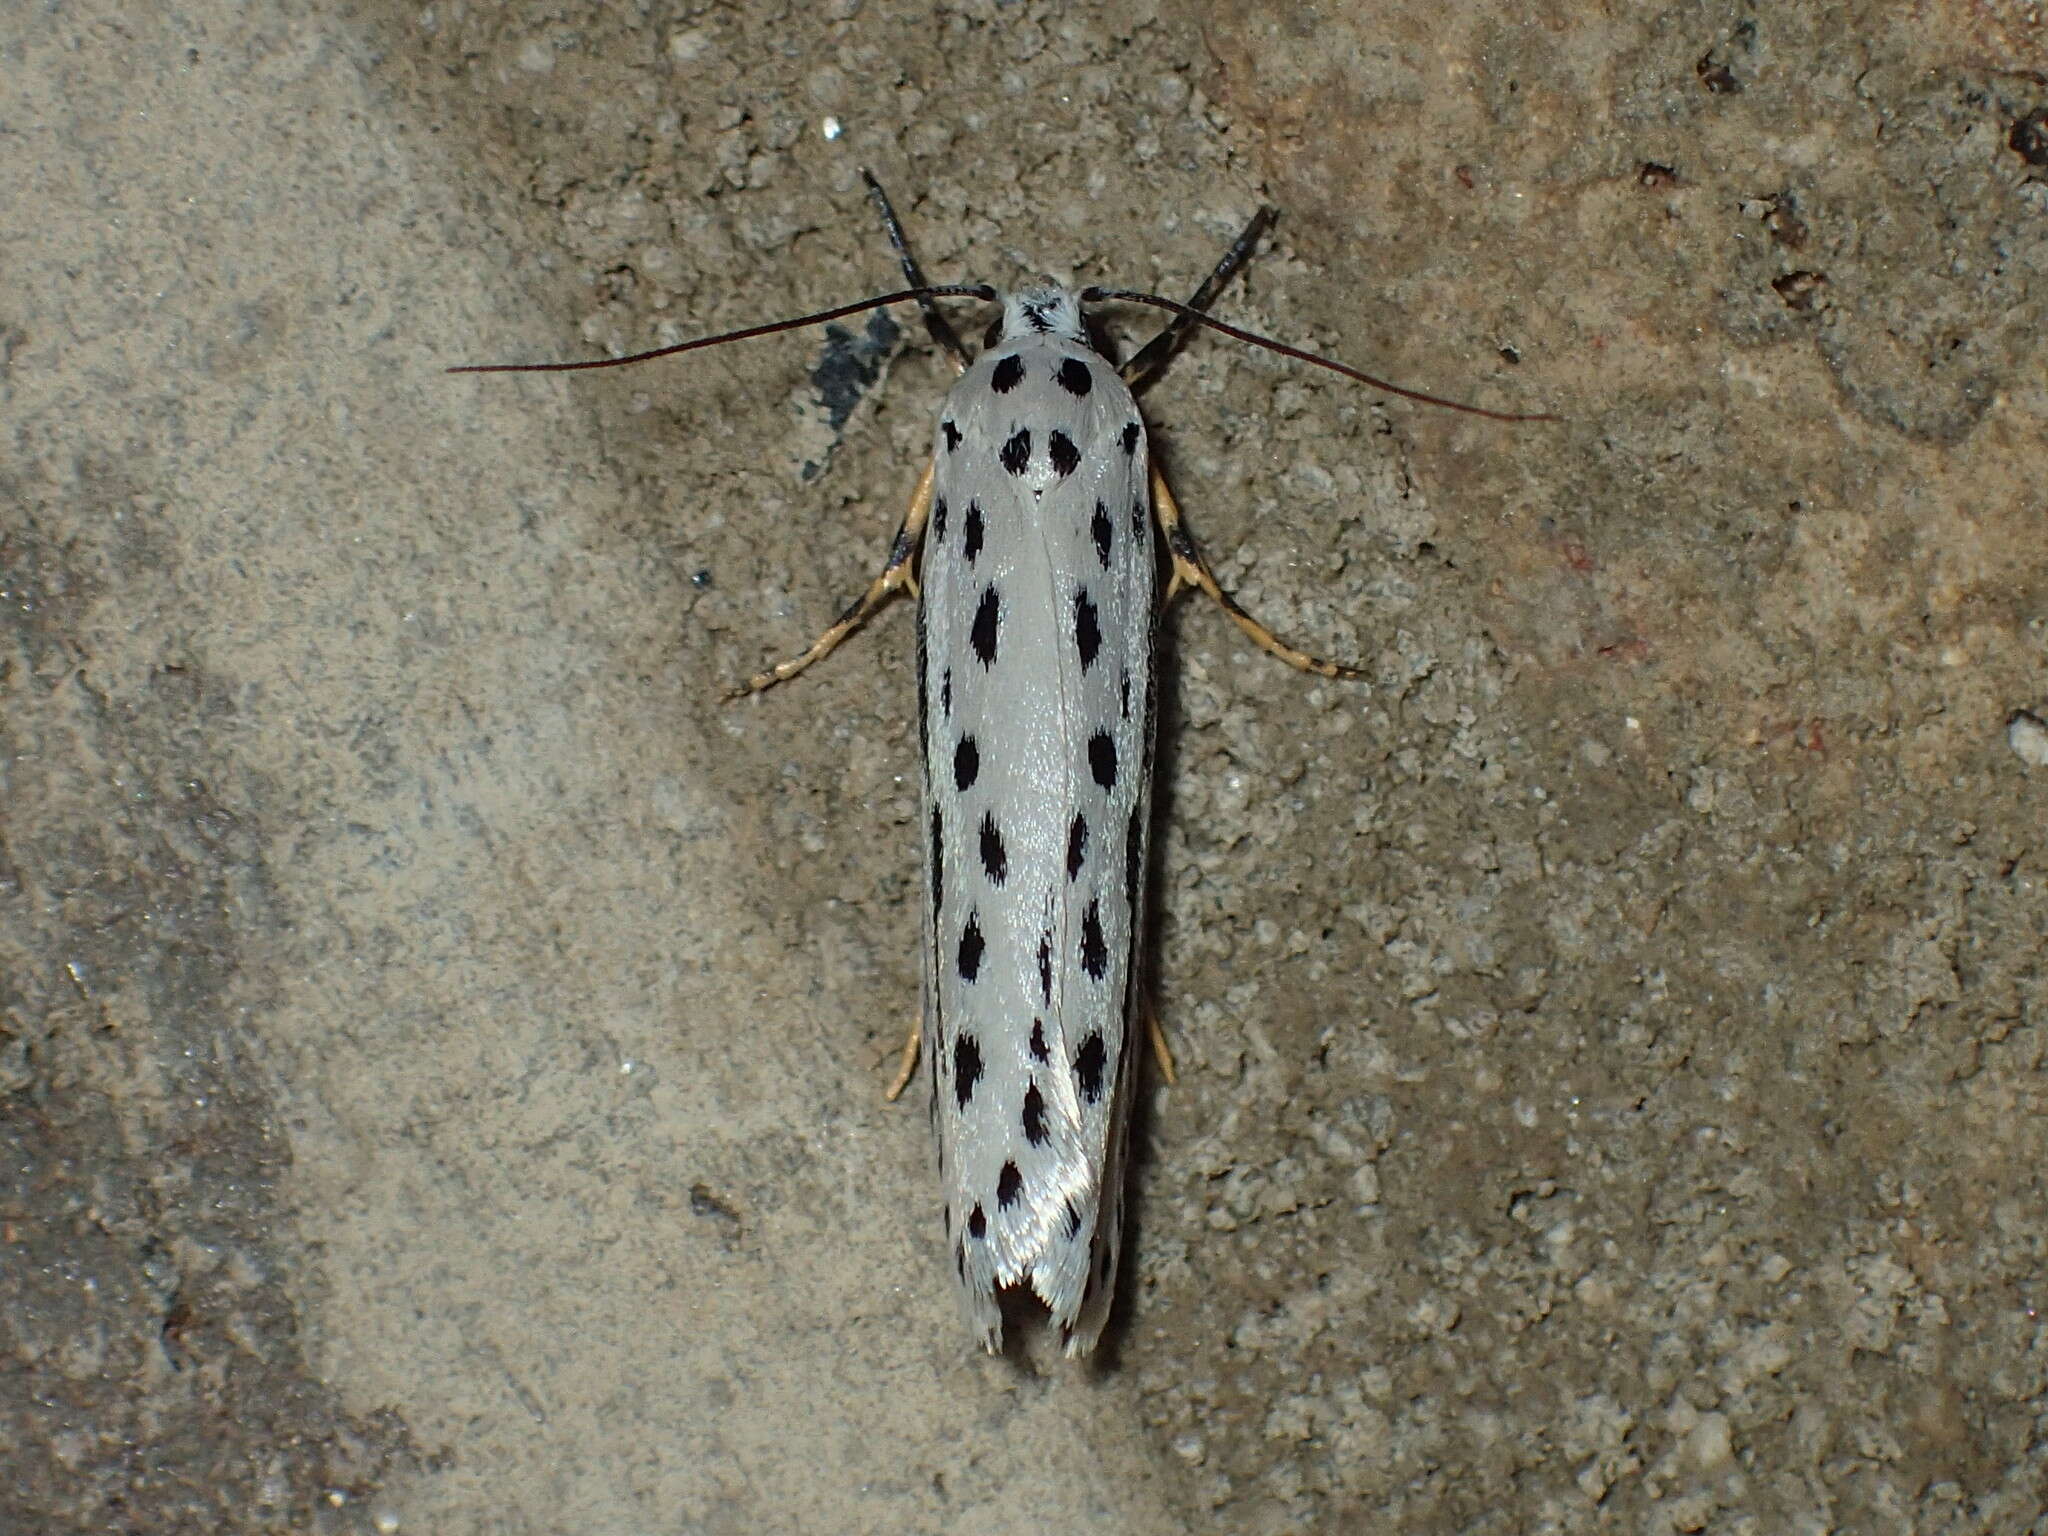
(1033,544)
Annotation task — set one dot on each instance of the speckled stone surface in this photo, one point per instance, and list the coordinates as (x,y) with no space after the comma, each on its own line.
(441,1046)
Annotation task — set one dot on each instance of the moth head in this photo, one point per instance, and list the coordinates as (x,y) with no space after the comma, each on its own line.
(1044,309)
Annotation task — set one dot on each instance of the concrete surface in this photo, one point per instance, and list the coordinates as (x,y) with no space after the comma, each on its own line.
(441,1046)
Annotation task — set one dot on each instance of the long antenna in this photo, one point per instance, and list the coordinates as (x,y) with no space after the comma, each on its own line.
(951,291)
(1188,314)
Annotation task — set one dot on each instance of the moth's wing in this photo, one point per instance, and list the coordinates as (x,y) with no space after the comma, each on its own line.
(1036,670)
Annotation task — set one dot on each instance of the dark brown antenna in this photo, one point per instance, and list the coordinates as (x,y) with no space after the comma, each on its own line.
(952,291)
(1192,316)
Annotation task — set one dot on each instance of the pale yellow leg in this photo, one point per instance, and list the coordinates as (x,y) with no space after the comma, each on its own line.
(1161,1051)
(895,1089)
(897,575)
(1191,570)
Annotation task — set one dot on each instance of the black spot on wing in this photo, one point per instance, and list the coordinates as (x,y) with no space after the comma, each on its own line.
(1134,854)
(972,947)
(1088,1064)
(1066,458)
(970,533)
(1009,373)
(952,435)
(938,865)
(1101,529)
(1139,513)
(988,618)
(1123,694)
(966,764)
(946,692)
(995,859)
(1132,432)
(1094,953)
(1045,968)
(1077,843)
(939,520)
(966,1069)
(1009,1185)
(1016,453)
(1087,628)
(1038,1050)
(1034,1117)
(1075,377)
(1102,759)
(1073,1219)
(977,1223)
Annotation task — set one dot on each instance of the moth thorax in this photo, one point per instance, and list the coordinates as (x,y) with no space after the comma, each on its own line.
(1044,309)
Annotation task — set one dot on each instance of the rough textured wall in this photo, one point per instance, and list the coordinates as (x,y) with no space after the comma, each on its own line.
(441,1046)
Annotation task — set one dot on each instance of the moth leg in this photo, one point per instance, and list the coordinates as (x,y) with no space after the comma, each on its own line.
(896,575)
(934,322)
(1145,365)
(1161,1051)
(909,1061)
(1191,570)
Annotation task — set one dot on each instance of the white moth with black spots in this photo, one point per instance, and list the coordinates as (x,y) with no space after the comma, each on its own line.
(1030,543)
(1036,683)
